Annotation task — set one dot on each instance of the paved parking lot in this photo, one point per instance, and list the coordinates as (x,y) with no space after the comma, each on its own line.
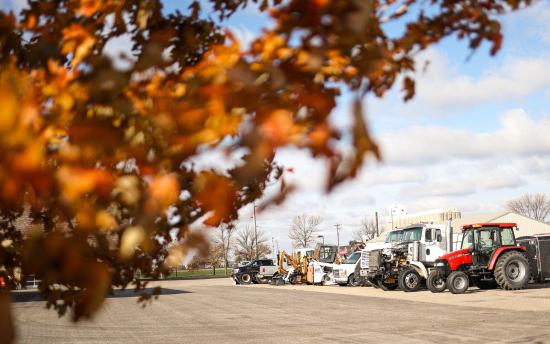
(216,311)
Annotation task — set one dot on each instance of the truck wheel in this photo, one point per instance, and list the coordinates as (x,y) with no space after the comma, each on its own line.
(435,283)
(512,271)
(409,280)
(245,278)
(484,285)
(458,282)
(353,281)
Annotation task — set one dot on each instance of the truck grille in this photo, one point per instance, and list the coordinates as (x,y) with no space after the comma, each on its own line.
(365,260)
(374,260)
(339,273)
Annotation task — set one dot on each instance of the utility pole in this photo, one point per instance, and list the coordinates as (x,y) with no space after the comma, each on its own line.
(376,221)
(255,229)
(273,247)
(337,235)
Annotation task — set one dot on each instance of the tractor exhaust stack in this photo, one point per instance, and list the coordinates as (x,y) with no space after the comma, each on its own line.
(449,236)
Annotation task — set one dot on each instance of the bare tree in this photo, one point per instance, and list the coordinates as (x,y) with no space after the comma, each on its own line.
(366,230)
(303,230)
(224,238)
(535,206)
(245,244)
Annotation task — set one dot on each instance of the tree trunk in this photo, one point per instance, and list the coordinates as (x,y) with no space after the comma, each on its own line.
(225,260)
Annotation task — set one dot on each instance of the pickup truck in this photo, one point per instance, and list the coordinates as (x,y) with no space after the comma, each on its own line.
(344,274)
(257,271)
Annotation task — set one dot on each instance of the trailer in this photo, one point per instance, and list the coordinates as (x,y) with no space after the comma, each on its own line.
(538,253)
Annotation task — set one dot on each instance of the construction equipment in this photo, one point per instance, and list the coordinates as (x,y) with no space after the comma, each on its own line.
(489,257)
(407,264)
(292,269)
(305,266)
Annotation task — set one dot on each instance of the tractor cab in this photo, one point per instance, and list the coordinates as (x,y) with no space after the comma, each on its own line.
(483,240)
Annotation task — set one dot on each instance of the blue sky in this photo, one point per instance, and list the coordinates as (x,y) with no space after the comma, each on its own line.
(475,136)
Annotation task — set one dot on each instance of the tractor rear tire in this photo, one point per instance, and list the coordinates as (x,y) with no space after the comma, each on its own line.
(409,280)
(245,278)
(436,283)
(512,271)
(458,282)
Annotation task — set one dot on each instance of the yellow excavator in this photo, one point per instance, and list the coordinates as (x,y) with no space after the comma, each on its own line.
(306,266)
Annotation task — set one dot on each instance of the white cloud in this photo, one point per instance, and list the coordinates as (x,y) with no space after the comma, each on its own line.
(442,85)
(244,35)
(120,46)
(518,134)
(385,175)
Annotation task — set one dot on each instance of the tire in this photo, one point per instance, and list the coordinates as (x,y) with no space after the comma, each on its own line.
(436,283)
(245,278)
(512,271)
(294,279)
(409,280)
(458,282)
(352,281)
(485,285)
(386,286)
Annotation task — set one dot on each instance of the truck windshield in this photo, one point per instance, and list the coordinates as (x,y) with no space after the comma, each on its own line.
(394,236)
(353,258)
(412,234)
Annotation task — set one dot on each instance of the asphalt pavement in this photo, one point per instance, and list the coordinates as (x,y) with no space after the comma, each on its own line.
(216,311)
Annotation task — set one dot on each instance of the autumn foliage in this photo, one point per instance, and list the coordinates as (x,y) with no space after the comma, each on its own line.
(102,155)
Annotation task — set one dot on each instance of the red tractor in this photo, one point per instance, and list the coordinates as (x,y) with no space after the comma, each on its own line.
(489,258)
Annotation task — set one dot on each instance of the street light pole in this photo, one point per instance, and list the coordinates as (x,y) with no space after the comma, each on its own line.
(255,229)
(337,235)
(376,219)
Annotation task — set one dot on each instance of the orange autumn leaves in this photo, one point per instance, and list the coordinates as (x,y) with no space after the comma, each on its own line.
(78,42)
(109,160)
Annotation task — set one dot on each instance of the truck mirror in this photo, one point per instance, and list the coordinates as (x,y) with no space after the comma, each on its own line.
(439,238)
